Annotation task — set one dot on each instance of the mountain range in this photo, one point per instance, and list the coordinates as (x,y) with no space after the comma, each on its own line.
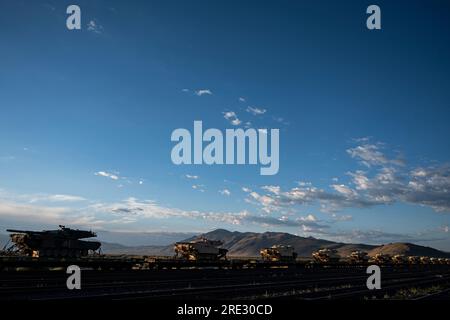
(249,243)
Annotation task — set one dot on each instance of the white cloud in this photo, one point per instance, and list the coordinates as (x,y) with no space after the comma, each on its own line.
(203,92)
(370,155)
(225,192)
(107,175)
(232,117)
(272,189)
(199,187)
(48,215)
(241,99)
(391,183)
(256,111)
(343,189)
(56,198)
(309,217)
(185,90)
(189,176)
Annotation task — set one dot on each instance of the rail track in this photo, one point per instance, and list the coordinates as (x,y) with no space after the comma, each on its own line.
(326,282)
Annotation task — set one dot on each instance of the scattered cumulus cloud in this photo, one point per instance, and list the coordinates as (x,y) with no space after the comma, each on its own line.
(232,118)
(225,192)
(371,155)
(388,181)
(194,177)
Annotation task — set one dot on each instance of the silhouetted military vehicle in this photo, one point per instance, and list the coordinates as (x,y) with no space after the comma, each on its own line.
(200,249)
(358,257)
(278,253)
(380,258)
(54,243)
(399,259)
(326,256)
(413,260)
(425,260)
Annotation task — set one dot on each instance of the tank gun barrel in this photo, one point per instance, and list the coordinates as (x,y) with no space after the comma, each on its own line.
(21,231)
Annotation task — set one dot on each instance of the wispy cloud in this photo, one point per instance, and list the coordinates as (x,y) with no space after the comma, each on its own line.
(199,187)
(203,92)
(189,176)
(232,118)
(55,198)
(241,99)
(107,175)
(18,212)
(256,111)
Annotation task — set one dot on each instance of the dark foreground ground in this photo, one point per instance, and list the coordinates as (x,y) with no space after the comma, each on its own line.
(319,283)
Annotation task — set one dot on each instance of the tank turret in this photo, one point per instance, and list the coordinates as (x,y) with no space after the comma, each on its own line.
(200,250)
(63,242)
(278,253)
(326,256)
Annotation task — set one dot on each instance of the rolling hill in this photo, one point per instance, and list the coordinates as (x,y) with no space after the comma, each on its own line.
(249,244)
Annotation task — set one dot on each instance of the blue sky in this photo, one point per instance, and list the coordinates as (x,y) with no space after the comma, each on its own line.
(86,116)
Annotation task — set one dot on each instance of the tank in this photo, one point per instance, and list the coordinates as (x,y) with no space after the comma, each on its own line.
(399,259)
(358,257)
(380,258)
(326,256)
(425,260)
(434,260)
(200,249)
(413,260)
(278,253)
(64,242)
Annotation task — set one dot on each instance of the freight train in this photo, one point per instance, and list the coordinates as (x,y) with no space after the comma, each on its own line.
(63,247)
